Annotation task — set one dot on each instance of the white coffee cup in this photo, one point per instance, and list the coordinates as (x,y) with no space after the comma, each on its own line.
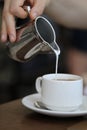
(62,92)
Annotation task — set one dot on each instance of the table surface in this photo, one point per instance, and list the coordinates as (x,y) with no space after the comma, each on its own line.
(14,116)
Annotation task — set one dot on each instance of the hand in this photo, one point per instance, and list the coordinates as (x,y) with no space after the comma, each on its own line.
(14,8)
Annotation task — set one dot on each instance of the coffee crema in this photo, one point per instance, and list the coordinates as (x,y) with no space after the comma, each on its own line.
(64,79)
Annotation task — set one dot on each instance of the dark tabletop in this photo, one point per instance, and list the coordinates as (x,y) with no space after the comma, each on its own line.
(14,116)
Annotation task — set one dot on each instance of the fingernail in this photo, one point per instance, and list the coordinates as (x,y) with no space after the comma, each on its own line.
(34,15)
(12,38)
(3,38)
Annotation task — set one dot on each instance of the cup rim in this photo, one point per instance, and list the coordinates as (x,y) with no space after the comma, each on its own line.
(63,75)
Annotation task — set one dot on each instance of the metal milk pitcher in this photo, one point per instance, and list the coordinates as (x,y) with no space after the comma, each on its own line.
(32,38)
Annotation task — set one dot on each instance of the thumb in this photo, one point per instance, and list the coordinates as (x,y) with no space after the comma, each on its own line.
(37,9)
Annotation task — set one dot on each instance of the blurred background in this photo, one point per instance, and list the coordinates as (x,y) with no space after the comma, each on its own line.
(18,79)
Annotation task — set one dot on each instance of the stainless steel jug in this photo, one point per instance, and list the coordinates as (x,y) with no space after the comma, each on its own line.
(32,38)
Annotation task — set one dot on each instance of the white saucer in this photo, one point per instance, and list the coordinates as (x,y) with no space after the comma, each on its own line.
(29,101)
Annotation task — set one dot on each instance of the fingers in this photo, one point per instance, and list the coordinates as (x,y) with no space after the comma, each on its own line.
(8,28)
(8,24)
(11,9)
(37,7)
(11,29)
(19,12)
(3,32)
(16,8)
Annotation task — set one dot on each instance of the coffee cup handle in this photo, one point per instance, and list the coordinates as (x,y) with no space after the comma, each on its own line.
(38,84)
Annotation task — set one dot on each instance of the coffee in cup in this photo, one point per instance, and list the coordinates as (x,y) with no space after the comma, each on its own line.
(63,92)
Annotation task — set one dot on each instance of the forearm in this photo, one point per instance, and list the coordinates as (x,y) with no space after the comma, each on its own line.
(70,13)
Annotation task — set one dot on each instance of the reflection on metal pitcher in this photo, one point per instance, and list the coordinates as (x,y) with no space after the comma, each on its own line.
(32,38)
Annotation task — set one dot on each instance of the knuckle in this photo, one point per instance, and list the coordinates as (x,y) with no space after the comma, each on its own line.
(13,10)
(5,14)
